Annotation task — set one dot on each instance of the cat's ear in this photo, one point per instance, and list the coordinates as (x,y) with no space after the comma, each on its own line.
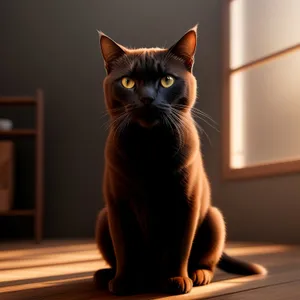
(110,50)
(185,48)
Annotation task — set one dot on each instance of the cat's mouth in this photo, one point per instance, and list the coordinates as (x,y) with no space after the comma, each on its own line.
(147,124)
(147,116)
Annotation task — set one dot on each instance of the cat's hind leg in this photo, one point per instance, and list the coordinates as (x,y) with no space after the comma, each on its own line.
(207,247)
(105,246)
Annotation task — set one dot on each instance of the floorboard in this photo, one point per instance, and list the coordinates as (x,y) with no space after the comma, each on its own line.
(58,270)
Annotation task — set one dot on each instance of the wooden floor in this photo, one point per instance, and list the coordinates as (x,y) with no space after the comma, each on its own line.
(58,270)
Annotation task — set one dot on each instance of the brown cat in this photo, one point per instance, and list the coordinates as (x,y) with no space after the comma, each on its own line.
(158,230)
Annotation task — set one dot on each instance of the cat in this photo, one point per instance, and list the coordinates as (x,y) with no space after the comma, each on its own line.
(158,230)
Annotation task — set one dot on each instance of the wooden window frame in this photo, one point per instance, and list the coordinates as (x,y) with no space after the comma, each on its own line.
(254,171)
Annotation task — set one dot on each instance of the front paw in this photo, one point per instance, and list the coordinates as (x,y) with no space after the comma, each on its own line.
(178,285)
(124,285)
(201,277)
(102,278)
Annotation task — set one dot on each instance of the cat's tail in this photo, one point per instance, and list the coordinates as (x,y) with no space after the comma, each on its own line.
(236,266)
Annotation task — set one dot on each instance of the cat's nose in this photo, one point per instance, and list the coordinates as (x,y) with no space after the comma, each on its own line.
(147,100)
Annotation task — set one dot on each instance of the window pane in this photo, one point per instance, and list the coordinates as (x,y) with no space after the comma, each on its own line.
(265,112)
(262,27)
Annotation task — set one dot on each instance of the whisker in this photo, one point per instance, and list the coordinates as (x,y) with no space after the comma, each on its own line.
(199,128)
(194,109)
(178,131)
(179,124)
(106,113)
(123,124)
(166,120)
(117,125)
(205,114)
(198,111)
(205,121)
(114,122)
(122,121)
(201,117)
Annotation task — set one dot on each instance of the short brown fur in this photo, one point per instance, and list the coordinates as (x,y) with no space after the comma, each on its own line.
(158,230)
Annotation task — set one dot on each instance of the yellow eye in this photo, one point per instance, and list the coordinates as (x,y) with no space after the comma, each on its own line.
(128,83)
(167,81)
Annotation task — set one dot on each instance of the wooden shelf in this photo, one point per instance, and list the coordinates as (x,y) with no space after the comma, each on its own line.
(20,212)
(18,132)
(18,100)
(37,101)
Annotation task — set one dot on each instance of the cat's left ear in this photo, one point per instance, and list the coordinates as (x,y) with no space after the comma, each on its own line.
(185,48)
(110,50)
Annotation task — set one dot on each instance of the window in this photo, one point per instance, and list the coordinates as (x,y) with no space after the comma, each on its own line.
(261,107)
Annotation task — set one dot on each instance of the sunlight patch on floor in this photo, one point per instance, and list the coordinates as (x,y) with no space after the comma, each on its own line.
(213,288)
(42,249)
(54,270)
(44,284)
(256,250)
(50,259)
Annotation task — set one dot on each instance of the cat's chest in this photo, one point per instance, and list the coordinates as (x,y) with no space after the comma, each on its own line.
(152,151)
(151,162)
(153,167)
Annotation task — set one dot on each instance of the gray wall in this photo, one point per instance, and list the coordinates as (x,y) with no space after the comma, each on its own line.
(54,45)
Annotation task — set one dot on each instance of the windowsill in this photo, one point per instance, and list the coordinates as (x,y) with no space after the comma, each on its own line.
(261,170)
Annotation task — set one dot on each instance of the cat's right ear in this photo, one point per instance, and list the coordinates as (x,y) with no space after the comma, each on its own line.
(110,50)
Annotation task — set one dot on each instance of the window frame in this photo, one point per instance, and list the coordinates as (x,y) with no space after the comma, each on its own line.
(254,171)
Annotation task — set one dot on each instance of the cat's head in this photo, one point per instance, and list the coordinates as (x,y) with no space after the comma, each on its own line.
(149,86)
